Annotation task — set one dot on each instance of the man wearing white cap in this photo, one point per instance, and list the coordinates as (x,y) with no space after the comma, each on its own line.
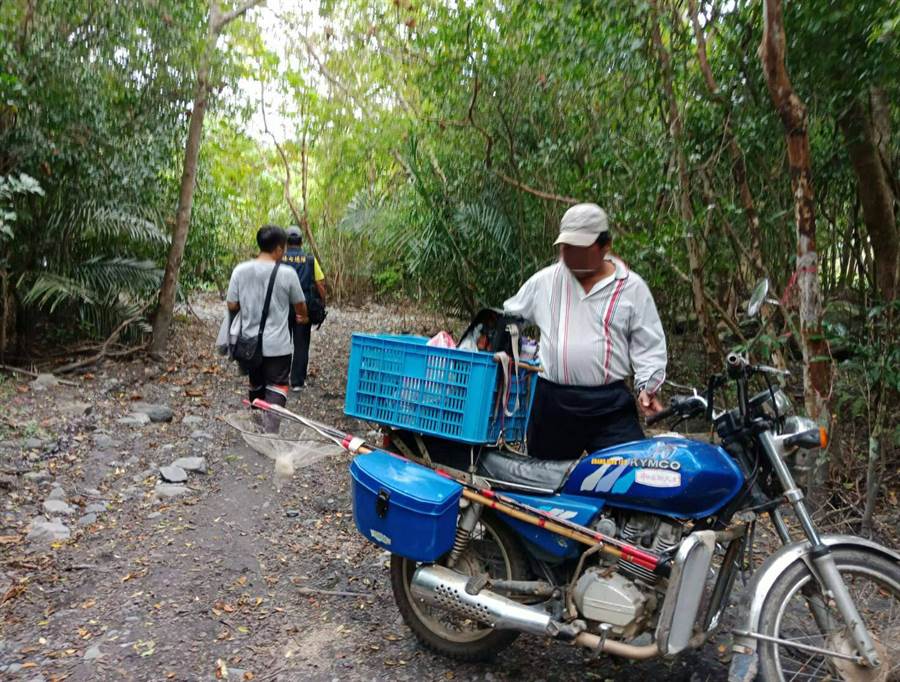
(598,326)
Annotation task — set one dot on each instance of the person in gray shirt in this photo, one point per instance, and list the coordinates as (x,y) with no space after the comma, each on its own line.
(246,296)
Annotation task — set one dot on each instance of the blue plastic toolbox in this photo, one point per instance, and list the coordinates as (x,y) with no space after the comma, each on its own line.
(400,381)
(403,507)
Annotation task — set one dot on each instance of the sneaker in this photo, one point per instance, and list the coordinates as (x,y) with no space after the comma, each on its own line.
(296,389)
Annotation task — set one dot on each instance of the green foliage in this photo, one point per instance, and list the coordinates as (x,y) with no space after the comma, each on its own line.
(94,108)
(432,135)
(11,186)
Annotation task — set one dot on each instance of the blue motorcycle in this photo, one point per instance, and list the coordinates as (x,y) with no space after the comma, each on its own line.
(632,550)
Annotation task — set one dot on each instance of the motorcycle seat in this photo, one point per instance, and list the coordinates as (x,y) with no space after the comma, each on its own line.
(518,472)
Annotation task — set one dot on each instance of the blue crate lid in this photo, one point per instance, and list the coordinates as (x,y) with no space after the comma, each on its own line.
(411,485)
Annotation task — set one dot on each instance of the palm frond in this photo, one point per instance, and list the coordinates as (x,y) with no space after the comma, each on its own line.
(481,222)
(96,282)
(90,220)
(114,275)
(136,223)
(101,320)
(364,211)
(50,289)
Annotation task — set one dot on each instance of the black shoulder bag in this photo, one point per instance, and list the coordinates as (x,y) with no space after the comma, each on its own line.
(248,352)
(315,307)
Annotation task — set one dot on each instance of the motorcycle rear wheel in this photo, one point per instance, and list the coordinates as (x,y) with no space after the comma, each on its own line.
(492,549)
(874,584)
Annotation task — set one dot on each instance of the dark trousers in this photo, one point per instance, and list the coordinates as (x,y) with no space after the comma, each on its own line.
(269,382)
(567,421)
(302,335)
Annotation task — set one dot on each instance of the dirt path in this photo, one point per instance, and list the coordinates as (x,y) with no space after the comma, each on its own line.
(231,577)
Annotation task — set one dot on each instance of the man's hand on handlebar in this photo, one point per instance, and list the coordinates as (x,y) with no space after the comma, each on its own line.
(649,404)
(681,406)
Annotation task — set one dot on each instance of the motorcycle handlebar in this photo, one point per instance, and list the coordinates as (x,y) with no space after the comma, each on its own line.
(681,405)
(659,416)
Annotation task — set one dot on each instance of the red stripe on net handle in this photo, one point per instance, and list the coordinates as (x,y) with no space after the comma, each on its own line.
(640,558)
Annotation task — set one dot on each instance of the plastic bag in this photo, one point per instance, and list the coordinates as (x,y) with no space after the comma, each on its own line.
(442,340)
(528,349)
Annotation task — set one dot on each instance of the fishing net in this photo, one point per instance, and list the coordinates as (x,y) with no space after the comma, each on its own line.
(294,443)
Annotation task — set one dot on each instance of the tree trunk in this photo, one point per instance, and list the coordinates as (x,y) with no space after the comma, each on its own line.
(876,187)
(873,467)
(817,369)
(739,166)
(162,319)
(694,246)
(5,302)
(752,256)
(166,307)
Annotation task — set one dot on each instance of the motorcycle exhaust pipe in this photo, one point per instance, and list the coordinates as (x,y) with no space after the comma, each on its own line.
(441,587)
(444,588)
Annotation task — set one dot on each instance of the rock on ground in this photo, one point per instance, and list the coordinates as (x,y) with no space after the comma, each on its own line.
(105,442)
(173,474)
(169,490)
(197,464)
(134,419)
(58,507)
(44,381)
(156,413)
(48,531)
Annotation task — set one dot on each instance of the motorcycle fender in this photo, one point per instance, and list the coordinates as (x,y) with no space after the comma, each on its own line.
(744,662)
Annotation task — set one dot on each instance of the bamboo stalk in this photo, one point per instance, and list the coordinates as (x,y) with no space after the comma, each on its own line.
(540,522)
(504,505)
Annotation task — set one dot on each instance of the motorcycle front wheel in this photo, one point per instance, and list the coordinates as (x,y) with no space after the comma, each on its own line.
(492,549)
(795,610)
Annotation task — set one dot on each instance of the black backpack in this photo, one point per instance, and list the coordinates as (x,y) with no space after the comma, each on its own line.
(494,330)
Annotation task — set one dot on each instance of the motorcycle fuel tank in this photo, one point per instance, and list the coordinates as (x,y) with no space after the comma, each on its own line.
(668,475)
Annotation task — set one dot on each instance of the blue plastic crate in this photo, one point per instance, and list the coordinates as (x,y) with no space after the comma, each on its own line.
(400,381)
(513,428)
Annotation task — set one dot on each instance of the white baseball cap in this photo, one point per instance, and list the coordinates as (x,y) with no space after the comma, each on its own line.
(581,225)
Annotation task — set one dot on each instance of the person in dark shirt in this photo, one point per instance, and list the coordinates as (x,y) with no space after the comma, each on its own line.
(310,274)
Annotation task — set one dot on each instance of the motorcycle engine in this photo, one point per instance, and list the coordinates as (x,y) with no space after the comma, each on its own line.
(613,599)
(652,533)
(622,594)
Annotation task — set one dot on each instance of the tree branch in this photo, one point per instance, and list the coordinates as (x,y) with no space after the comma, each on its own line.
(549,196)
(726,317)
(298,216)
(222,20)
(29,373)
(104,348)
(310,50)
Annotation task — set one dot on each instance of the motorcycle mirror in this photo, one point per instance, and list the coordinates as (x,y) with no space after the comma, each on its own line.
(758,297)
